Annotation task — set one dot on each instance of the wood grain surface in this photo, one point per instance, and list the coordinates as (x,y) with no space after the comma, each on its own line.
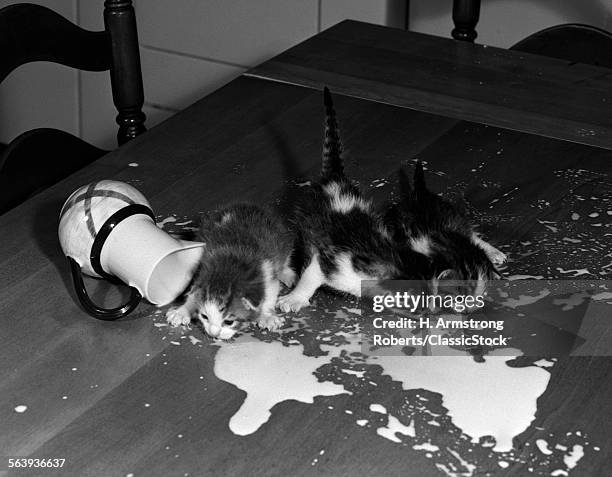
(120,398)
(503,88)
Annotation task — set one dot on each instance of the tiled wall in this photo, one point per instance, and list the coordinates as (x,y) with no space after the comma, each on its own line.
(505,22)
(189,48)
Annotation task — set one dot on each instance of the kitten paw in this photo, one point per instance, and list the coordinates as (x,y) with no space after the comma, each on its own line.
(270,321)
(498,257)
(178,316)
(292,302)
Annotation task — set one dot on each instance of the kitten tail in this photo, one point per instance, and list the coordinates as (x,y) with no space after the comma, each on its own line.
(332,166)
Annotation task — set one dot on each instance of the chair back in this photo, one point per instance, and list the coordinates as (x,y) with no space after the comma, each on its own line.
(35,33)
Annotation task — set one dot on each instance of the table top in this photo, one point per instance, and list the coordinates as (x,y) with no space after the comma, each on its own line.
(494,86)
(135,397)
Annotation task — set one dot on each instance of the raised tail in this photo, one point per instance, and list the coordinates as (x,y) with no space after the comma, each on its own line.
(332,165)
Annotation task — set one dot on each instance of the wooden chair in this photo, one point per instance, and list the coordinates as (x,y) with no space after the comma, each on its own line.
(39,158)
(572,42)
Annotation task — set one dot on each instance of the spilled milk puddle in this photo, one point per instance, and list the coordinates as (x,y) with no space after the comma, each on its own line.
(461,414)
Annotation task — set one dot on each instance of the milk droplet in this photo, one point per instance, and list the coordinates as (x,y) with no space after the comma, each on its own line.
(543,446)
(21,408)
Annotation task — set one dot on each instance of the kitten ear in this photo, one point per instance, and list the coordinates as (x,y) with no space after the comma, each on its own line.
(248,304)
(448,274)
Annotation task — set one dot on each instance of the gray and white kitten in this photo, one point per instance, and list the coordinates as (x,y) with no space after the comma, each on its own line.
(340,237)
(246,256)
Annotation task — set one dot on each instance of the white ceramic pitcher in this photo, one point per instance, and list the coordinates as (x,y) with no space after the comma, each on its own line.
(107,230)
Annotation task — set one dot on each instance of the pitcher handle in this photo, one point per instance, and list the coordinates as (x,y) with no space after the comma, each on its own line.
(106,314)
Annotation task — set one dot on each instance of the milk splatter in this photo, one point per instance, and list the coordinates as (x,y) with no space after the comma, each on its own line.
(602,296)
(544,363)
(194,340)
(393,427)
(543,446)
(524,277)
(573,456)
(354,373)
(572,301)
(524,300)
(426,446)
(168,220)
(378,183)
(576,273)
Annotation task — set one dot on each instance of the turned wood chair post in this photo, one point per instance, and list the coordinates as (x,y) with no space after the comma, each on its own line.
(126,76)
(465,18)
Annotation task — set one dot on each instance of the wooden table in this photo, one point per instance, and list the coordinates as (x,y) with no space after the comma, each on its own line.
(134,397)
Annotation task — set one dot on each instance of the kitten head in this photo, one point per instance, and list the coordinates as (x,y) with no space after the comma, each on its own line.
(229,290)
(460,266)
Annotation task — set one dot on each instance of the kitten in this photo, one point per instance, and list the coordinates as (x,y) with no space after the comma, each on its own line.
(246,256)
(342,238)
(438,229)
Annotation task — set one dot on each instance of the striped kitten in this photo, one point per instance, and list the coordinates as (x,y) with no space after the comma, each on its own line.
(342,238)
(245,259)
(438,229)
